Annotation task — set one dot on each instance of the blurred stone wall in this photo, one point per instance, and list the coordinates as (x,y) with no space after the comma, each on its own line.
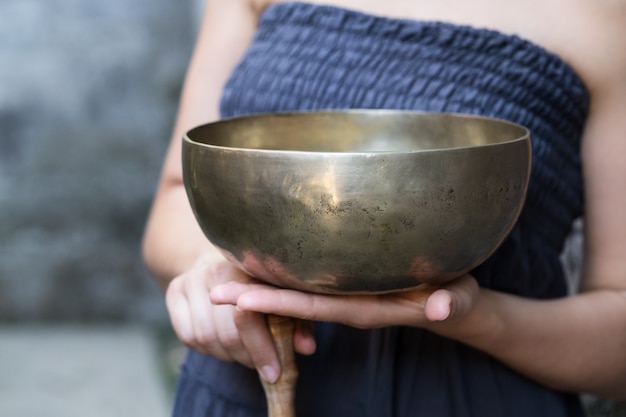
(88,94)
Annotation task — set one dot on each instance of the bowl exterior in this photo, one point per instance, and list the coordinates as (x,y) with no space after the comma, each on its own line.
(354,223)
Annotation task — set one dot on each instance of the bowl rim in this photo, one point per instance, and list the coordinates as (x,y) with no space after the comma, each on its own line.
(525,134)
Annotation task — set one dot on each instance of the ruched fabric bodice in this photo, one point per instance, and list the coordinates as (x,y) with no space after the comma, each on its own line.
(307,57)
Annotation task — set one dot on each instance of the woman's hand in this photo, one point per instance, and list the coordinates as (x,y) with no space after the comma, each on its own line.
(224,331)
(419,307)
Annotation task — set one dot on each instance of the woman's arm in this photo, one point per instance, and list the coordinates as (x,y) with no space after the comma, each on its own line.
(578,343)
(175,250)
(173,240)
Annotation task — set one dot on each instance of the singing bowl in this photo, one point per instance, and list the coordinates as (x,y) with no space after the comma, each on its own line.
(358,201)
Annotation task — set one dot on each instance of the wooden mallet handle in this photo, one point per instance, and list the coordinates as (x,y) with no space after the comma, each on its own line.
(281,394)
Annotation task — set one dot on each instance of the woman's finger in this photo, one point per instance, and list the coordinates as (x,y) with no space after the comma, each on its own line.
(304,337)
(355,310)
(178,308)
(259,344)
(205,339)
(229,293)
(361,311)
(439,305)
(228,337)
(453,300)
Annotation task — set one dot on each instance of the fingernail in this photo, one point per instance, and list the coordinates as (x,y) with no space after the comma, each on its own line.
(269,374)
(441,313)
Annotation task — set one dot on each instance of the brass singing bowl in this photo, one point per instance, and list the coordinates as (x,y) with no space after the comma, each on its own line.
(357,201)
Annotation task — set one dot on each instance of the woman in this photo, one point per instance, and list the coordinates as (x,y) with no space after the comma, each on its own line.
(503,340)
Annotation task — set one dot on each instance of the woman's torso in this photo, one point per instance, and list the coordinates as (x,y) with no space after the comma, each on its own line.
(588,34)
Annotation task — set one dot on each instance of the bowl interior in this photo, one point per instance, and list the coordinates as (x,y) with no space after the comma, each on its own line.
(356,131)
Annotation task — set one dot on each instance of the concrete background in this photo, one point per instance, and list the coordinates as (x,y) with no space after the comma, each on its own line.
(77,371)
(88,92)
